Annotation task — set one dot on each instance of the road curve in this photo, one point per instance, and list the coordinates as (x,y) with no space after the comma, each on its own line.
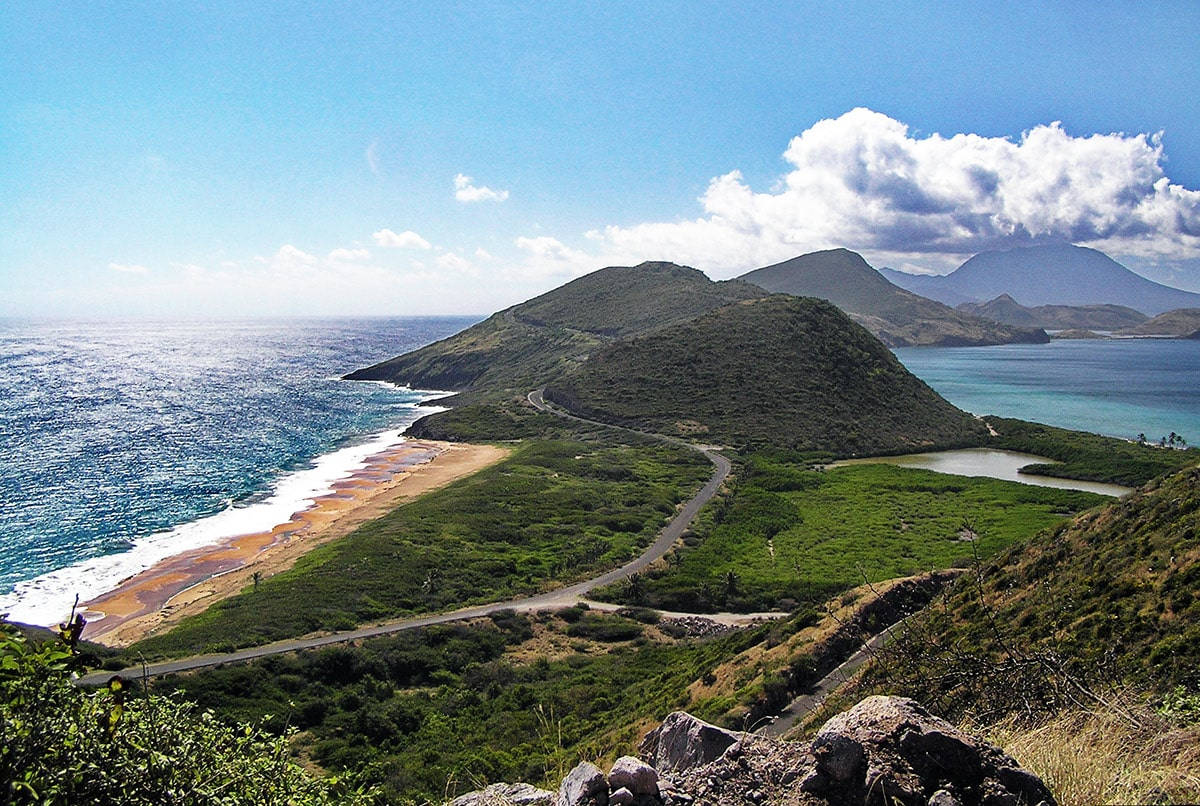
(562,597)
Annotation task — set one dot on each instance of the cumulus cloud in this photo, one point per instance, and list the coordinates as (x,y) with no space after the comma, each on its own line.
(466,191)
(404,240)
(128,268)
(864,181)
(350,254)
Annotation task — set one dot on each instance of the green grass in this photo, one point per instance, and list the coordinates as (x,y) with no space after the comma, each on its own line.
(437,712)
(832,530)
(1112,598)
(497,421)
(554,510)
(1090,457)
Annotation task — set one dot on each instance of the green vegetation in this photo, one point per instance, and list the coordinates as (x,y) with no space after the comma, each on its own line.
(789,535)
(495,422)
(520,348)
(430,714)
(62,745)
(897,317)
(553,511)
(783,371)
(1111,598)
(1089,457)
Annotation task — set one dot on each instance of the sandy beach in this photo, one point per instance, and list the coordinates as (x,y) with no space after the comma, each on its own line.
(187,583)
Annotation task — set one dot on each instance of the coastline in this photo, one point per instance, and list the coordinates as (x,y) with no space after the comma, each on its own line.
(187,583)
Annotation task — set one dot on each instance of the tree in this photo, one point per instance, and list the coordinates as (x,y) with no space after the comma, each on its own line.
(64,745)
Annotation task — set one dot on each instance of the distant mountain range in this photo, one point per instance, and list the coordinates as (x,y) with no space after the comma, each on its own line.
(899,318)
(1047,275)
(1056,317)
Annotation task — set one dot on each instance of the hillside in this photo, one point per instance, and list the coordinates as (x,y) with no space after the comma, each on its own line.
(523,346)
(1048,275)
(897,317)
(1183,323)
(784,371)
(1055,317)
(1109,597)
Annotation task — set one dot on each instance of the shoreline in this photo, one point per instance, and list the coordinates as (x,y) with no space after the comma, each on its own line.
(187,583)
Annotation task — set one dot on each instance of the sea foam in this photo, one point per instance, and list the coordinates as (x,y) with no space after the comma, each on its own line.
(47,599)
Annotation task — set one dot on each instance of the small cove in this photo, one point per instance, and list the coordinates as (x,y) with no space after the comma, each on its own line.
(990,463)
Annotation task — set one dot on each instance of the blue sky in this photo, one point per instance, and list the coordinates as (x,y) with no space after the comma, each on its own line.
(220,158)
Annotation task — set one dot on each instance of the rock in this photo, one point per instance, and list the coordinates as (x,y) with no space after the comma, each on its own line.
(620,797)
(943,798)
(506,795)
(635,775)
(584,786)
(682,742)
(838,756)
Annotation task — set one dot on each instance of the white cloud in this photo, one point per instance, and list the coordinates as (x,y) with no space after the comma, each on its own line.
(405,240)
(128,268)
(449,260)
(483,254)
(350,255)
(863,181)
(465,191)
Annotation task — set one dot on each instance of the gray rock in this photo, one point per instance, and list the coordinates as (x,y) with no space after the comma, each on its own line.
(584,786)
(506,795)
(620,797)
(682,742)
(635,775)
(943,798)
(838,755)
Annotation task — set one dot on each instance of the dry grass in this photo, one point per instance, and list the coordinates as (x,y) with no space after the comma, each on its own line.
(1095,758)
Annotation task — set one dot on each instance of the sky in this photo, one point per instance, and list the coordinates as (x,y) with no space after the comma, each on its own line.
(230,159)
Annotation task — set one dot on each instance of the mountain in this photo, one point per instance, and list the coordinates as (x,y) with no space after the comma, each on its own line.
(1055,317)
(897,317)
(784,371)
(1183,323)
(526,345)
(1048,275)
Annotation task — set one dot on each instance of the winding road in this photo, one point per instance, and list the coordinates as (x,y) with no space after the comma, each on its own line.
(562,597)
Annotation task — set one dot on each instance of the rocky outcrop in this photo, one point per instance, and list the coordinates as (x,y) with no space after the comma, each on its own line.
(506,795)
(888,751)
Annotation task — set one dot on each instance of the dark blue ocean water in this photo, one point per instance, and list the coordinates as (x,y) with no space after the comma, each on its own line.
(113,434)
(1119,387)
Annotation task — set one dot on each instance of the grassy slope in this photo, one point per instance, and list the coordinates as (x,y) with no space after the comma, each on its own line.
(791,535)
(900,318)
(554,510)
(1090,457)
(1182,323)
(781,371)
(441,711)
(522,347)
(1112,596)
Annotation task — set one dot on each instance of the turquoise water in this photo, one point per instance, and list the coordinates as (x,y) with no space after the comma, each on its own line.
(1116,387)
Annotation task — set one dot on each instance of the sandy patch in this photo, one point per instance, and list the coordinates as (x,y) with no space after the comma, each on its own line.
(188,583)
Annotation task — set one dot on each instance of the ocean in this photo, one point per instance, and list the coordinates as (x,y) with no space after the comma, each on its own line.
(1118,387)
(125,442)
(122,443)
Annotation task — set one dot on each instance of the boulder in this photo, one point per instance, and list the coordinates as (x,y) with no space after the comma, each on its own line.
(506,795)
(682,741)
(585,785)
(620,797)
(635,775)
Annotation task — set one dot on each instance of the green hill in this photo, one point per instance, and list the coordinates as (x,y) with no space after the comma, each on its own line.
(1110,597)
(898,317)
(783,371)
(526,345)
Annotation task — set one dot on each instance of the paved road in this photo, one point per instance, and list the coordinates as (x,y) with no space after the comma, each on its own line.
(563,597)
